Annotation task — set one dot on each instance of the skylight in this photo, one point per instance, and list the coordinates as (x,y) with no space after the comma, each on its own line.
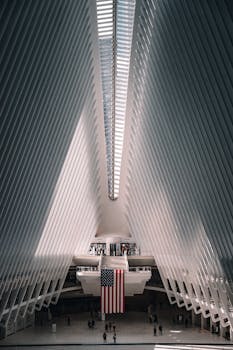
(115,29)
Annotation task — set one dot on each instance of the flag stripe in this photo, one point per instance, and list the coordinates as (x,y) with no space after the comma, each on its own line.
(114,301)
(123,288)
(112,291)
(119,287)
(120,291)
(117,292)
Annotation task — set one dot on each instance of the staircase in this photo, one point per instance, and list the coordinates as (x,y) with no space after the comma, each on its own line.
(115,262)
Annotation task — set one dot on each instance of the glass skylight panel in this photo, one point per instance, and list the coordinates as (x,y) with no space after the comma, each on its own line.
(115,20)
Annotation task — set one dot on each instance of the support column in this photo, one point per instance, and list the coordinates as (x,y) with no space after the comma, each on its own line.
(231,334)
(221,330)
(202,322)
(211,324)
(2,332)
(107,248)
(193,318)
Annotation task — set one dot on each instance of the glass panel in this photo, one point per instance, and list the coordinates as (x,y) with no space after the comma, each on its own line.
(115,20)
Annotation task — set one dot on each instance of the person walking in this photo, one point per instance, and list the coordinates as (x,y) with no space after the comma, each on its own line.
(155,330)
(114,338)
(106,327)
(104,337)
(110,326)
(160,329)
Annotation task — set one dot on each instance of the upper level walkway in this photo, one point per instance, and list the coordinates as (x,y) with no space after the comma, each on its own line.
(115,262)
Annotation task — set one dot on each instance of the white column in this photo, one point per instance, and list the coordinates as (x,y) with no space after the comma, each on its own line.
(211,324)
(222,330)
(107,248)
(202,322)
(231,334)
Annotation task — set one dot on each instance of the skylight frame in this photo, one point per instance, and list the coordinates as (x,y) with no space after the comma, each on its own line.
(115,19)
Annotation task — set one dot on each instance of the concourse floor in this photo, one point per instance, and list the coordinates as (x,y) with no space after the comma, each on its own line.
(133,331)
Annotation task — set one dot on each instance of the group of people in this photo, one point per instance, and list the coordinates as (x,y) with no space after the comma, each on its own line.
(109,327)
(215,329)
(91,324)
(160,330)
(180,319)
(154,318)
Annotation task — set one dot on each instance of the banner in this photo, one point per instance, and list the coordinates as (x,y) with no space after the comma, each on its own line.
(112,291)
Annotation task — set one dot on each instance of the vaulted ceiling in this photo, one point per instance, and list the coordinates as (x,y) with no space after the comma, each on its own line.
(175,176)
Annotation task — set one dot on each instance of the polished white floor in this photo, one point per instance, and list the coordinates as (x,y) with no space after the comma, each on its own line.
(131,328)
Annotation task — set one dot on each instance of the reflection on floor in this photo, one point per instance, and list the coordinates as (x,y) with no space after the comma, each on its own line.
(131,328)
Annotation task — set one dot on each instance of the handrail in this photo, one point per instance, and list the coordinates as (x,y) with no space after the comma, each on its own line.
(87,268)
(128,269)
(139,268)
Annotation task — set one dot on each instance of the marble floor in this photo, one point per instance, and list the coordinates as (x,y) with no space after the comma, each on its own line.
(133,331)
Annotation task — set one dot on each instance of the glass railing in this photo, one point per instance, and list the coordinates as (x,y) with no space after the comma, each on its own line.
(87,268)
(139,268)
(131,269)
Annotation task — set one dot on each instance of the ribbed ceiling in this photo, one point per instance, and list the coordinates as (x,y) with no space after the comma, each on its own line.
(180,158)
(49,154)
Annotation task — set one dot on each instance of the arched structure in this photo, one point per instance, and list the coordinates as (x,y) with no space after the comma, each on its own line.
(175,195)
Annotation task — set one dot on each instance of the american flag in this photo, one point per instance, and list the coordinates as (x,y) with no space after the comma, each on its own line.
(112,291)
